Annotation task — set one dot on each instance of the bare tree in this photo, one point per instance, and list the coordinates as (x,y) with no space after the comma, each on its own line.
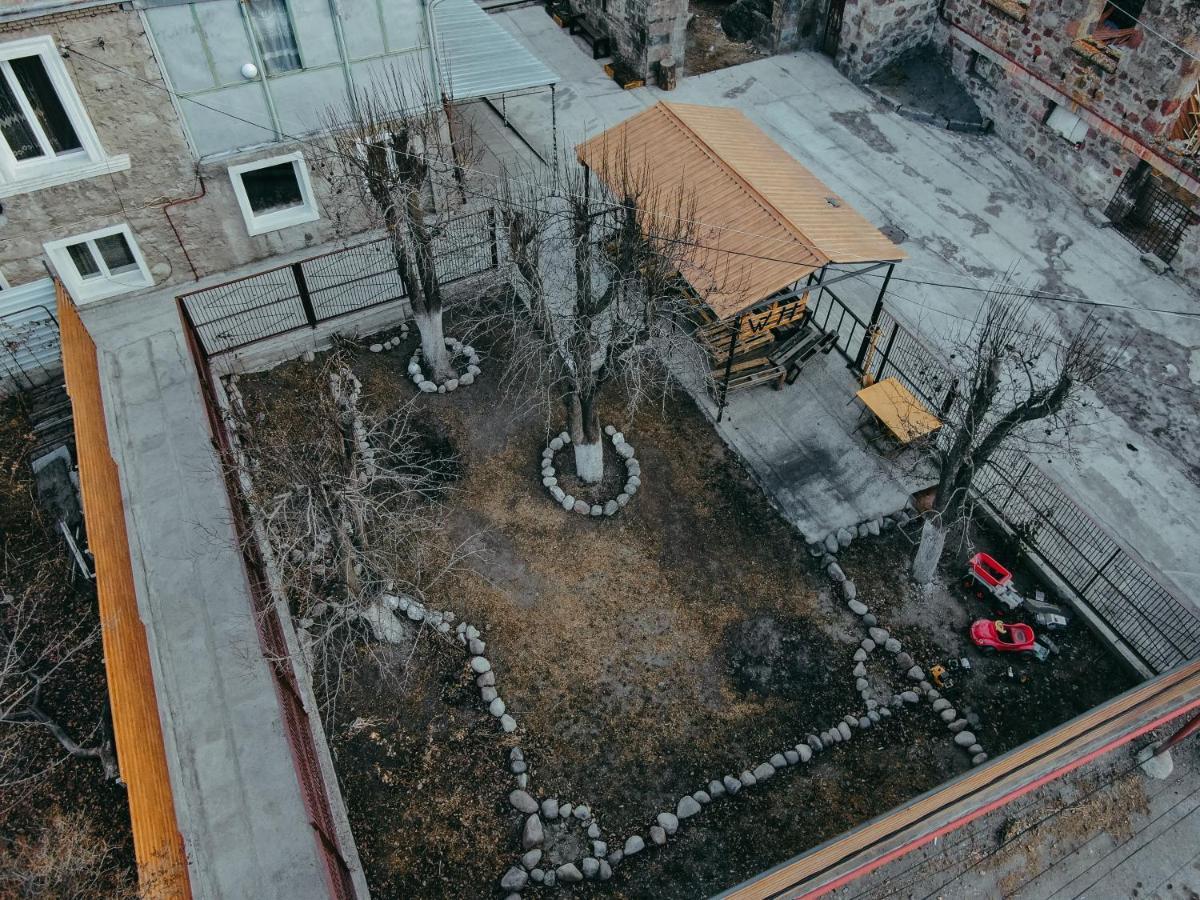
(1020,387)
(67,860)
(596,292)
(394,157)
(350,509)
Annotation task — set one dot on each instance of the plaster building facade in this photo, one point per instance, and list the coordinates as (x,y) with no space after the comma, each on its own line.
(1103,95)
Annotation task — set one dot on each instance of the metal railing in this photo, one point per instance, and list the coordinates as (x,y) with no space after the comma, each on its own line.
(1148,215)
(283,299)
(831,314)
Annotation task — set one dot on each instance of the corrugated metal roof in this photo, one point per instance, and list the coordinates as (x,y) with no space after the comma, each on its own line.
(771,221)
(478,58)
(29,346)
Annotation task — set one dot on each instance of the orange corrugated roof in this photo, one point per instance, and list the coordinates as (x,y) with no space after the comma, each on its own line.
(768,221)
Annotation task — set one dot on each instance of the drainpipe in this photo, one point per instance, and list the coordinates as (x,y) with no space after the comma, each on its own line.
(179,202)
(435,67)
(339,34)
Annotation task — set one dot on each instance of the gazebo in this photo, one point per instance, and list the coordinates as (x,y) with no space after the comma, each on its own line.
(767,230)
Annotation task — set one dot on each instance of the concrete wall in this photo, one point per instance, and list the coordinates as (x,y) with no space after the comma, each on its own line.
(875,32)
(138,118)
(204,45)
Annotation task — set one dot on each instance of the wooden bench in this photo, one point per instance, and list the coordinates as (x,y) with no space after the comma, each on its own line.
(600,44)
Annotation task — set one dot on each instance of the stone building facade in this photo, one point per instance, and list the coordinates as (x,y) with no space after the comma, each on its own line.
(775,26)
(1083,99)
(644,33)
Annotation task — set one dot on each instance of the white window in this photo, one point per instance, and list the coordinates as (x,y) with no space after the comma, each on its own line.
(1070,126)
(45,135)
(100,264)
(274,193)
(274,35)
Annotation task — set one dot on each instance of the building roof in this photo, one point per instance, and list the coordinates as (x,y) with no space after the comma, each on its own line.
(768,222)
(478,58)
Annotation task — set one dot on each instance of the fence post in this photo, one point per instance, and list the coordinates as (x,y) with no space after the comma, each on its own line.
(875,314)
(1099,571)
(305,299)
(495,237)
(887,351)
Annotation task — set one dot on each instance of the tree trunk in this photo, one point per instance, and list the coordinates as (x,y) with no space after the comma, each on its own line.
(929,553)
(435,358)
(586,438)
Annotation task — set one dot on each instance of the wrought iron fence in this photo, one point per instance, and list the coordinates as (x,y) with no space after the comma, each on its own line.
(900,354)
(831,314)
(1149,215)
(303,294)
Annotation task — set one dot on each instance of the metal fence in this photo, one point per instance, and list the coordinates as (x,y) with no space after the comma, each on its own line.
(304,294)
(1155,625)
(1149,215)
(30,353)
(831,314)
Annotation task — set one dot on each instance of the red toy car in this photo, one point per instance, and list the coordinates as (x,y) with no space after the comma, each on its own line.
(994,635)
(986,577)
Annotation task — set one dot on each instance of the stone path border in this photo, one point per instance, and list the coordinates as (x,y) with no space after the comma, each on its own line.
(633,476)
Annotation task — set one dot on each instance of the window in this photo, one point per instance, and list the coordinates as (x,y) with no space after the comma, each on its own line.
(1117,25)
(274,193)
(100,264)
(45,135)
(1072,128)
(274,35)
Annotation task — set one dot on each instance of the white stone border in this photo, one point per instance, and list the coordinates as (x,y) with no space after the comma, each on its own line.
(633,476)
(457,348)
(391,343)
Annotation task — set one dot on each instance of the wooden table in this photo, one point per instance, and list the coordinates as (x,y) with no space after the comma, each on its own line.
(901,413)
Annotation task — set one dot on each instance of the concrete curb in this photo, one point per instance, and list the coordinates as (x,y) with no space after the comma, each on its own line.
(926,118)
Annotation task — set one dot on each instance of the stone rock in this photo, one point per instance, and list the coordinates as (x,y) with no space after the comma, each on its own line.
(903,660)
(309,356)
(557,493)
(522,802)
(701,797)
(610,430)
(939,705)
(611,507)
(933,694)
(873,715)
(964,739)
(568,503)
(915,674)
(451,384)
(873,527)
(863,531)
(597,510)
(549,481)
(634,844)
(957,725)
(891,645)
(476,647)
(974,748)
(861,684)
(605,870)
(747,779)
(686,808)
(856,606)
(622,499)
(831,542)
(859,671)
(537,876)
(465,379)
(844,731)
(556,444)
(599,849)
(376,348)
(479,665)
(488,694)
(909,697)
(516,753)
(658,835)
(815,743)
(514,879)
(805,752)
(791,757)
(870,620)
(582,812)
(630,488)
(850,720)
(582,507)
(763,771)
(778,761)
(625,451)
(565,810)
(618,438)
(496,707)
(549,809)
(979,758)
(508,723)
(568,873)
(878,635)
(925,687)
(867,645)
(532,858)
(885,713)
(865,722)
(731,784)
(834,571)
(591,867)
(487,679)
(716,789)
(844,537)
(550,879)
(594,831)
(860,655)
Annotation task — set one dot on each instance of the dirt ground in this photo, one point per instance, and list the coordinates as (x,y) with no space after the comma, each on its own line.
(921,79)
(46,797)
(690,636)
(708,48)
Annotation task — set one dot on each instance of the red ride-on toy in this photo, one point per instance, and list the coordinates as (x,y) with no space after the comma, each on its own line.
(987,578)
(993,636)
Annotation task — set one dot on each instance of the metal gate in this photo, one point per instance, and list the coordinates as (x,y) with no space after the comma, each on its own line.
(1149,215)
(833,27)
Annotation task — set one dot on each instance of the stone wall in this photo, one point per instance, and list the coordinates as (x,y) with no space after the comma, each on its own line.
(643,32)
(775,26)
(875,32)
(139,119)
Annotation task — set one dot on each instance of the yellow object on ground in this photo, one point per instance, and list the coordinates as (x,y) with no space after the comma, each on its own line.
(900,412)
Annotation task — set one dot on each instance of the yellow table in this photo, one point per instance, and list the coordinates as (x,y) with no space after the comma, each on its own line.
(900,412)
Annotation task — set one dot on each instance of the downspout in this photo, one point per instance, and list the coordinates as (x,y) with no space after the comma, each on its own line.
(435,68)
(339,35)
(166,208)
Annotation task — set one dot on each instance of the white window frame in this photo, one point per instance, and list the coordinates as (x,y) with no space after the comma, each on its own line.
(262,223)
(106,285)
(24,176)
